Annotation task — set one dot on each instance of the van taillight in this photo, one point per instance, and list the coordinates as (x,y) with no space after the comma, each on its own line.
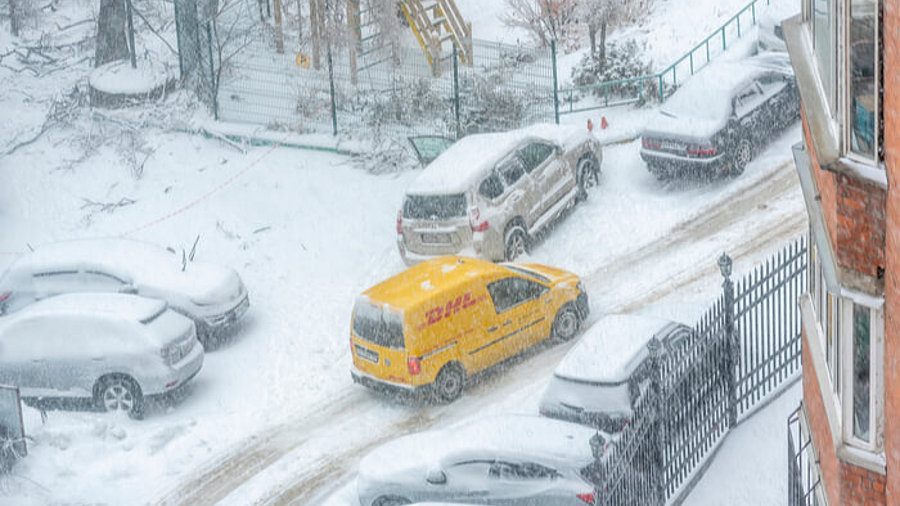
(400,222)
(412,363)
(587,497)
(477,223)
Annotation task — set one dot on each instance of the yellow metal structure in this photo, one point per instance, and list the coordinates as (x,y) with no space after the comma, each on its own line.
(435,22)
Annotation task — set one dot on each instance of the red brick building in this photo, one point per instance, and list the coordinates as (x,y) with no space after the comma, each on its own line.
(845,56)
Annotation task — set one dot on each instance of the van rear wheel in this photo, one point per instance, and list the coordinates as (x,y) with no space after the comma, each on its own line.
(448,385)
(566,323)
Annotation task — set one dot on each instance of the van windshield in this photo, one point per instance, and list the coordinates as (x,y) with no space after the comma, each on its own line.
(378,326)
(434,207)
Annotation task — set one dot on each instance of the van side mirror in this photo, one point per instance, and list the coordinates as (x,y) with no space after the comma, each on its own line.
(436,477)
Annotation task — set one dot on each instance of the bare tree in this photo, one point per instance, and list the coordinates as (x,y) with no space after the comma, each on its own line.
(14,14)
(546,20)
(112,44)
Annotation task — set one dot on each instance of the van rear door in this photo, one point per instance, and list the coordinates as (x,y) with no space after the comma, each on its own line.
(378,345)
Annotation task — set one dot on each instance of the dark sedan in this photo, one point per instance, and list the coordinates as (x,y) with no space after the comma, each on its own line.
(717,121)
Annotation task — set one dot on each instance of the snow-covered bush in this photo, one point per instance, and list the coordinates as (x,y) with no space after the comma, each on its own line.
(623,61)
(486,105)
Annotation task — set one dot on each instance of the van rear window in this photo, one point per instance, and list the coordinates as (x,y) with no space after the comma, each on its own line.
(378,326)
(424,207)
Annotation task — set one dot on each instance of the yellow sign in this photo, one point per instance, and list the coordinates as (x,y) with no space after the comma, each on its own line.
(302,60)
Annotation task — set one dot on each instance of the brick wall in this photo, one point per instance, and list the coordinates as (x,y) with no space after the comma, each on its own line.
(818,424)
(860,213)
(860,487)
(891,64)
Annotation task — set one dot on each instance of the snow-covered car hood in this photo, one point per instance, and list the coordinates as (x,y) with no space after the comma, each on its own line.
(610,349)
(204,284)
(554,274)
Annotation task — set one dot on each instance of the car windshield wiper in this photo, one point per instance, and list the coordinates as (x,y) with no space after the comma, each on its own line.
(667,113)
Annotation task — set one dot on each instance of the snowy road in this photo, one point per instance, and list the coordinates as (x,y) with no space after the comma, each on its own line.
(307,458)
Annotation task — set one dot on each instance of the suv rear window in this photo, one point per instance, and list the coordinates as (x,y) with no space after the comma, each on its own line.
(378,326)
(423,207)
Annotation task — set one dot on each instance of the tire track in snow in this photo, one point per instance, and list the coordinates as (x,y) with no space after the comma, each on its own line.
(259,452)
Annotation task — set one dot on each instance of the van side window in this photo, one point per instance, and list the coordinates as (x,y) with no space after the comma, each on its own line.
(492,187)
(508,293)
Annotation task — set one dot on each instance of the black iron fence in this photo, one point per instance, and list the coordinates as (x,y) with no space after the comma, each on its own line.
(804,478)
(742,352)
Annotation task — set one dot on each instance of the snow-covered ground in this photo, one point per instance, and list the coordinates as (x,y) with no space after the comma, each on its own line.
(308,231)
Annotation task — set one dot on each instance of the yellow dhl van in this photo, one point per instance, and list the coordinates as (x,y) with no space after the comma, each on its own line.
(444,319)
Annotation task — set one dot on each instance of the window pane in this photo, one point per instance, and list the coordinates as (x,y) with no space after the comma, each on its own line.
(861,372)
(862,77)
(823,44)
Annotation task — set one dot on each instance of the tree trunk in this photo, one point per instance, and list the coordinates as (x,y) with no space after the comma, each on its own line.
(111,42)
(603,41)
(279,32)
(14,14)
(592,35)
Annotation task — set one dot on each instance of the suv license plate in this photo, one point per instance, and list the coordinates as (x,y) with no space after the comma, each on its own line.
(436,238)
(366,354)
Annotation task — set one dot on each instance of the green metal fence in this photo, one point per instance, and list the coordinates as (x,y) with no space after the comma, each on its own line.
(660,85)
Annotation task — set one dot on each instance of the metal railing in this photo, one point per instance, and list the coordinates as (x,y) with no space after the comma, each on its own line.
(804,476)
(661,84)
(743,350)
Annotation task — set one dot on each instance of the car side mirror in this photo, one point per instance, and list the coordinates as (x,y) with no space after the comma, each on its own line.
(436,477)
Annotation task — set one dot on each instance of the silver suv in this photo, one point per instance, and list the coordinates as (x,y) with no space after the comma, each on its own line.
(488,194)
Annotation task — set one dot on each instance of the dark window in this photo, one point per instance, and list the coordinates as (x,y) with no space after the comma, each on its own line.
(492,187)
(523,471)
(534,154)
(508,293)
(378,326)
(425,207)
(512,170)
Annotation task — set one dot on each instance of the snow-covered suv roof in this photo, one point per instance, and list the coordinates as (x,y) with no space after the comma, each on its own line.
(464,163)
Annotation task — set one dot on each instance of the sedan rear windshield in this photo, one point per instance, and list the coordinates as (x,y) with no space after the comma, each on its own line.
(424,207)
(378,326)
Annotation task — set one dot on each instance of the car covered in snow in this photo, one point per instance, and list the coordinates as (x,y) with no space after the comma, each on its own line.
(488,194)
(501,459)
(437,323)
(715,123)
(604,376)
(116,349)
(212,295)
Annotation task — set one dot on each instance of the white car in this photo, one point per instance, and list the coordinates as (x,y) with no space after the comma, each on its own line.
(487,195)
(502,460)
(116,349)
(602,378)
(212,295)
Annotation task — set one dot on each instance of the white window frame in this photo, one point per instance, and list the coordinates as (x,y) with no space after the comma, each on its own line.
(838,101)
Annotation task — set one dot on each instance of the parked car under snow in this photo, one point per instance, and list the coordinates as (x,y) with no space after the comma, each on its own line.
(213,296)
(604,376)
(488,194)
(116,349)
(503,459)
(718,120)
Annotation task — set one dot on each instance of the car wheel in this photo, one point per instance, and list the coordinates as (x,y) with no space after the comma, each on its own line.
(588,173)
(658,172)
(566,323)
(741,157)
(120,393)
(449,383)
(390,500)
(514,242)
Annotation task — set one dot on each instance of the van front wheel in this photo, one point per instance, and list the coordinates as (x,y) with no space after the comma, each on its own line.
(566,323)
(448,385)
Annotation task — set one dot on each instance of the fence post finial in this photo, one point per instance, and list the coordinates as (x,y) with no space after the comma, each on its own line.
(731,345)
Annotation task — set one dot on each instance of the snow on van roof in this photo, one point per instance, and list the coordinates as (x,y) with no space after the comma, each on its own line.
(108,305)
(425,280)
(461,166)
(609,350)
